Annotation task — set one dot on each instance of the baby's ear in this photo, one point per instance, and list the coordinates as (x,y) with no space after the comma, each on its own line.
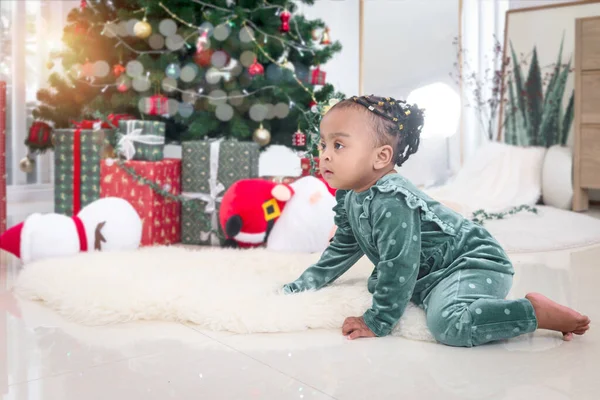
(282,192)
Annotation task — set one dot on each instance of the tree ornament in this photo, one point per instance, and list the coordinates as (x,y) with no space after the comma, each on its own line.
(83,4)
(256,68)
(299,139)
(318,76)
(118,70)
(326,39)
(203,59)
(142,29)
(261,136)
(157,105)
(39,136)
(202,42)
(285,21)
(50,64)
(27,164)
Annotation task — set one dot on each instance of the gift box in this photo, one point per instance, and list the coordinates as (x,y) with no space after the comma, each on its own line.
(134,181)
(77,155)
(141,140)
(208,169)
(2,156)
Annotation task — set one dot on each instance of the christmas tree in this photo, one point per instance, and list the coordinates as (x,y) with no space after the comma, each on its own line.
(212,68)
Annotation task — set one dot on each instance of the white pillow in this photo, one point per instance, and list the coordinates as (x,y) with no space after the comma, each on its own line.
(557,182)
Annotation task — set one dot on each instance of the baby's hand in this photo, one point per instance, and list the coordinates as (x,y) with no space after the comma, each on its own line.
(355,327)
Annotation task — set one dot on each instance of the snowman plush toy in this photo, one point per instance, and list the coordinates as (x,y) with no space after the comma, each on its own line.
(108,224)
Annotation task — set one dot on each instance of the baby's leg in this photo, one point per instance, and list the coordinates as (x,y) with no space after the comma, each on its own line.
(468,308)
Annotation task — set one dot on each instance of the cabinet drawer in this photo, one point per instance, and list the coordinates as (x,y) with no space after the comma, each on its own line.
(590,157)
(590,97)
(590,44)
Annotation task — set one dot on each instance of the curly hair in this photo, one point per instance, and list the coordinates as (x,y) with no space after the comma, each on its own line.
(395,123)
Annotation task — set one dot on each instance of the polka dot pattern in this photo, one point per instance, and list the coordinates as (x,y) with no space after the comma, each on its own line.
(478,311)
(472,286)
(506,311)
(390,264)
(392,242)
(488,280)
(445,314)
(516,330)
(414,238)
(402,279)
(404,225)
(388,214)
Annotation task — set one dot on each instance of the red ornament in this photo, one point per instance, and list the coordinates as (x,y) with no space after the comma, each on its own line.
(256,69)
(83,4)
(203,58)
(299,139)
(157,105)
(318,76)
(40,135)
(285,21)
(312,103)
(118,70)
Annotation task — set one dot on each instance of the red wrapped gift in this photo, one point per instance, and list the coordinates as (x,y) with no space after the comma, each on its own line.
(318,76)
(2,156)
(160,216)
(157,105)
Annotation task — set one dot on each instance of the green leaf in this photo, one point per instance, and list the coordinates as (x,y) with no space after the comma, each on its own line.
(550,119)
(567,120)
(534,98)
(520,95)
(556,71)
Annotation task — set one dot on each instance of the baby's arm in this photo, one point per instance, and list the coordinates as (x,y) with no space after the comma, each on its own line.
(342,253)
(397,235)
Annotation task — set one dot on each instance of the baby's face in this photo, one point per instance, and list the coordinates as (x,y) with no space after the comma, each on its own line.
(347,149)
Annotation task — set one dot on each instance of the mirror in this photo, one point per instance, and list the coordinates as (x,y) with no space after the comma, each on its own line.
(407,52)
(524,117)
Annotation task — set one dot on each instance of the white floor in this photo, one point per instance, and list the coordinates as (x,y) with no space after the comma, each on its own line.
(45,357)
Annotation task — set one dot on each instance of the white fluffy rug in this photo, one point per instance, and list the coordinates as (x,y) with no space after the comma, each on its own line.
(218,289)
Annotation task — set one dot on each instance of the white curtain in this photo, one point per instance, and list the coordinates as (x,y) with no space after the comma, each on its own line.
(482,20)
(29,31)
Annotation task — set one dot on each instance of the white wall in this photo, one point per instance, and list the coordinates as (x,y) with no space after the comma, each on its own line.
(513,4)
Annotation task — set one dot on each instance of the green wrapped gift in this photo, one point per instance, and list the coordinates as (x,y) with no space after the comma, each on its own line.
(77,155)
(141,140)
(208,169)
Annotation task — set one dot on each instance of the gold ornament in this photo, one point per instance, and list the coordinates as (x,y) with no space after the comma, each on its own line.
(27,164)
(142,29)
(50,64)
(326,39)
(261,136)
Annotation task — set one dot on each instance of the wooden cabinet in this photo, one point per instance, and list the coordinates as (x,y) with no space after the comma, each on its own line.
(586,163)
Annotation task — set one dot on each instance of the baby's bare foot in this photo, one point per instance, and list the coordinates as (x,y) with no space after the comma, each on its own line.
(553,316)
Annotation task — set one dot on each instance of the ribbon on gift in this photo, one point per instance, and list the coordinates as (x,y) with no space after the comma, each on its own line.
(212,197)
(115,118)
(127,142)
(79,126)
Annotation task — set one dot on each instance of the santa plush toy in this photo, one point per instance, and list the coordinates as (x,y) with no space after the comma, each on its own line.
(107,224)
(296,217)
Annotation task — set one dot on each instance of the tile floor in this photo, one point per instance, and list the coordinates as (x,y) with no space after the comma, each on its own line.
(47,358)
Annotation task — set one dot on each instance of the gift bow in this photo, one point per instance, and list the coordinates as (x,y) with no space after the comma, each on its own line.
(127,142)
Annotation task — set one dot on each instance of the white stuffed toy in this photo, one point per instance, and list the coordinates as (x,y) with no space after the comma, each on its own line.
(107,224)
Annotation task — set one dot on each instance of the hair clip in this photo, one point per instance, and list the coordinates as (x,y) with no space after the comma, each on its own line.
(395,119)
(371,108)
(407,112)
(401,126)
(392,103)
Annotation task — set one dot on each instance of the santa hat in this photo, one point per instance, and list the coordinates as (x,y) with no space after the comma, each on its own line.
(41,236)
